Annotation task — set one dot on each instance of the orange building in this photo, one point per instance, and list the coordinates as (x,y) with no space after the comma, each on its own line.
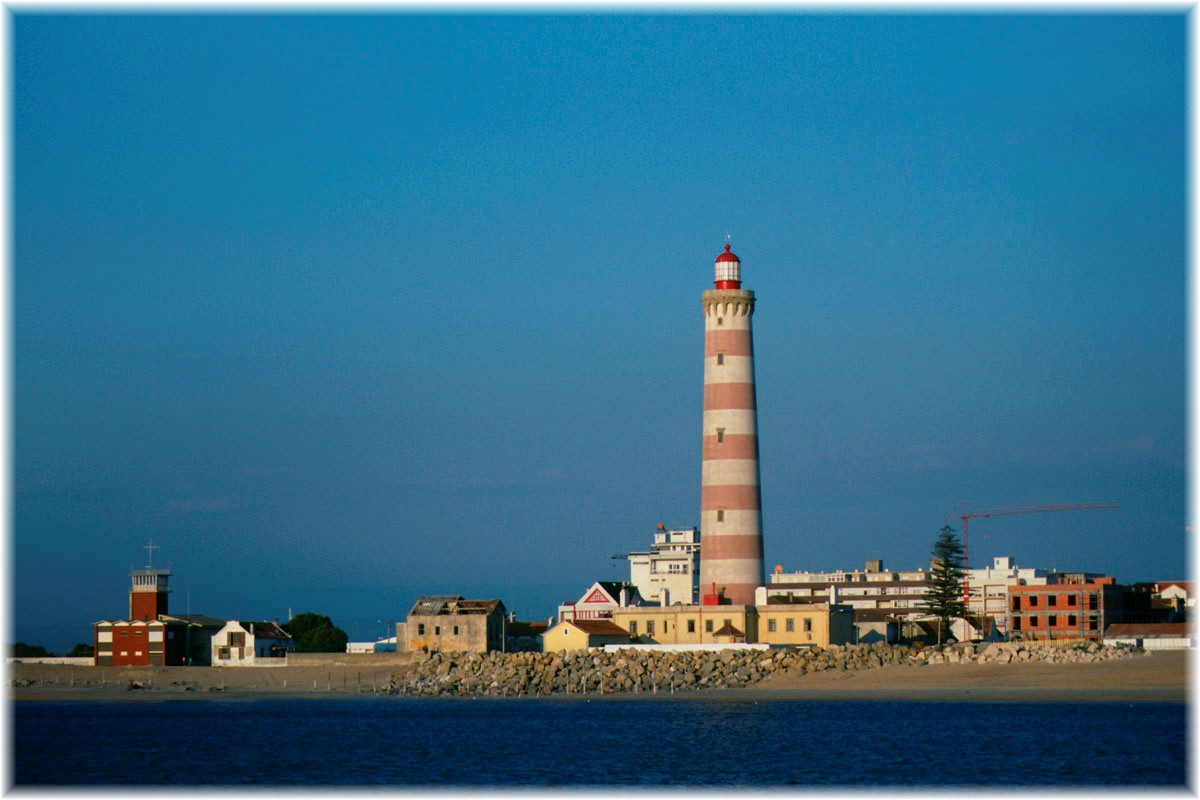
(1071,606)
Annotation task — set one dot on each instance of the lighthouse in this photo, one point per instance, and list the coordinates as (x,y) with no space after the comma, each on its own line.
(731,554)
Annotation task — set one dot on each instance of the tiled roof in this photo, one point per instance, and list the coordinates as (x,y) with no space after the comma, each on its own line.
(265,630)
(1145,629)
(194,619)
(728,629)
(598,626)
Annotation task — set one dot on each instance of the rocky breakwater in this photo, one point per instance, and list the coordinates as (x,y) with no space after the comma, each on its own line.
(667,671)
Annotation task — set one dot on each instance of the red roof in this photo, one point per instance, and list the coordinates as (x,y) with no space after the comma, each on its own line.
(596,626)
(728,256)
(1148,629)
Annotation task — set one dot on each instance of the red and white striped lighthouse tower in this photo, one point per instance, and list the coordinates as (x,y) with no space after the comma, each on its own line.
(731,549)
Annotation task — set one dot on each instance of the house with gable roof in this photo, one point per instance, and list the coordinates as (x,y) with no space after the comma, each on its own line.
(449,622)
(581,634)
(245,644)
(600,601)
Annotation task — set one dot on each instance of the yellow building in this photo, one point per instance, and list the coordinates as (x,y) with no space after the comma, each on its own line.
(580,634)
(820,624)
(694,624)
(778,623)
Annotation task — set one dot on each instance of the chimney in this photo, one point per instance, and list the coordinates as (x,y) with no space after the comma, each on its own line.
(623,599)
(833,595)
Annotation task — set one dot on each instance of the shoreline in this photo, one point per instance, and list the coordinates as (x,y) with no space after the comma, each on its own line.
(1159,677)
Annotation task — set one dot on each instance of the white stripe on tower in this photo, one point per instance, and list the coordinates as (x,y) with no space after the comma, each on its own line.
(731,551)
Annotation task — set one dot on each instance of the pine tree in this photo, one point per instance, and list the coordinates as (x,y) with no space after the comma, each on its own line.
(944,597)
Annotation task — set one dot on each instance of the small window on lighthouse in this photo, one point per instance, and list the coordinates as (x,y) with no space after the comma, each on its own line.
(720,436)
(720,358)
(720,515)
(720,320)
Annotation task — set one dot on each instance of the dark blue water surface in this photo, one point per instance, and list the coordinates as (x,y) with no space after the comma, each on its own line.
(726,743)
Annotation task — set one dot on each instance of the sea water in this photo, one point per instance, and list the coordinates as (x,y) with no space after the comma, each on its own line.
(606,742)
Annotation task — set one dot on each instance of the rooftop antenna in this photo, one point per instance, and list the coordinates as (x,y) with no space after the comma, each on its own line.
(727,238)
(150,548)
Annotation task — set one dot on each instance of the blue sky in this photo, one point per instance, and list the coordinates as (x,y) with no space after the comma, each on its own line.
(340,310)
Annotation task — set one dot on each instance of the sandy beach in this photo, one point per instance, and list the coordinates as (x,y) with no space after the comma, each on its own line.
(1160,677)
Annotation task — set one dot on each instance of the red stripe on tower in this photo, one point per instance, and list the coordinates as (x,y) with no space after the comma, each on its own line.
(731,553)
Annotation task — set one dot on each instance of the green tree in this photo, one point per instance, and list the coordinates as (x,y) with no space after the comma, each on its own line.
(316,633)
(944,597)
(82,650)
(22,650)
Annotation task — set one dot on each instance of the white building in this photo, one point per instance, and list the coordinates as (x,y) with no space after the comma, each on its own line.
(883,600)
(599,601)
(1180,591)
(244,644)
(671,563)
(873,574)
(987,589)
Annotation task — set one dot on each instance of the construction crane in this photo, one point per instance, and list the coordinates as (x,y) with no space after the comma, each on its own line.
(1005,511)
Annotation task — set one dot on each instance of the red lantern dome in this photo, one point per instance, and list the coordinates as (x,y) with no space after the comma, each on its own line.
(727,270)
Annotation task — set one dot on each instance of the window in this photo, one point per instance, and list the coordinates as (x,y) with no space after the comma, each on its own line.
(1033,601)
(236,639)
(633,627)
(720,436)
(1072,620)
(720,321)
(720,359)
(1052,600)
(1033,621)
(649,627)
(456,630)
(691,626)
(720,518)
(1016,623)
(437,630)
(1052,621)
(708,626)
(790,625)
(771,625)
(420,629)
(808,626)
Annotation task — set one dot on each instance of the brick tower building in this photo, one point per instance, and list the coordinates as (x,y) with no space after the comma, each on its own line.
(149,590)
(731,554)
